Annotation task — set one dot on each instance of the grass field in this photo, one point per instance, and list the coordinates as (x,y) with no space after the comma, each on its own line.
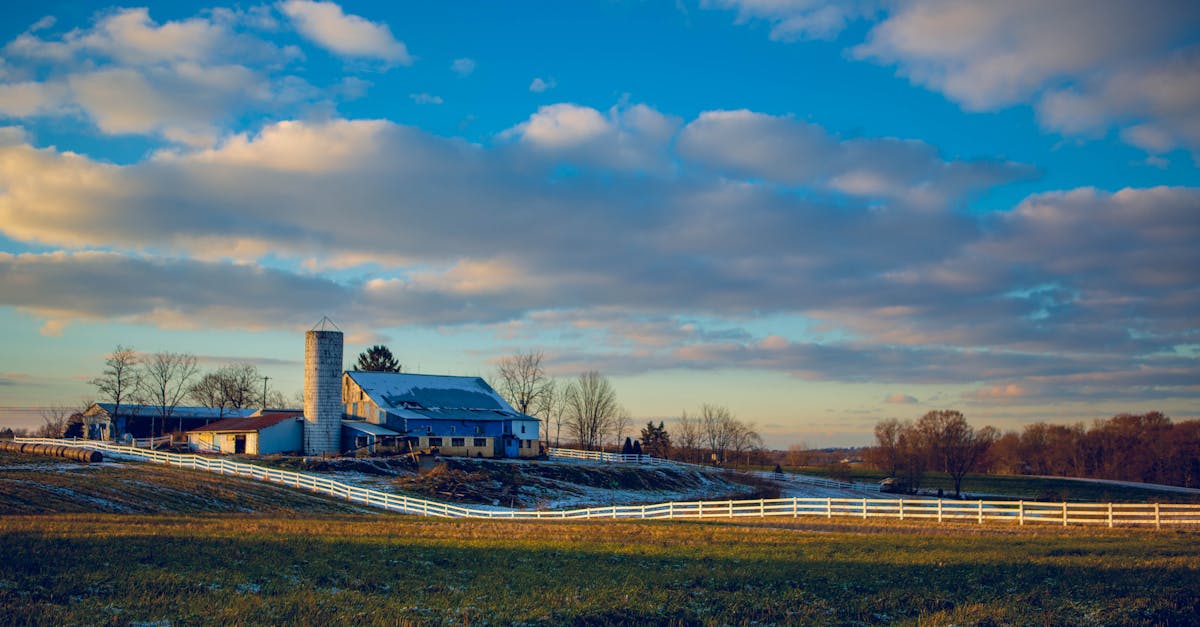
(1028,488)
(186,552)
(257,569)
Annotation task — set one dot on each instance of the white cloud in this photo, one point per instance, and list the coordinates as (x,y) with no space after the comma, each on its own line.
(424,98)
(1086,66)
(788,151)
(793,20)
(539,85)
(625,137)
(348,35)
(463,67)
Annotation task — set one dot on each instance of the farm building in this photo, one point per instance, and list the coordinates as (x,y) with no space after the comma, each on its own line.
(104,421)
(359,435)
(261,434)
(458,415)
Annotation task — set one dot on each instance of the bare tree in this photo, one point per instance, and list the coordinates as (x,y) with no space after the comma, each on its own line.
(621,423)
(233,386)
(591,406)
(886,453)
(687,437)
(953,445)
(165,382)
(745,440)
(551,409)
(54,420)
(719,428)
(521,380)
(120,380)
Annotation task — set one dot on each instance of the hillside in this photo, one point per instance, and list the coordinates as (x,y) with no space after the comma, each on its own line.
(32,484)
(538,484)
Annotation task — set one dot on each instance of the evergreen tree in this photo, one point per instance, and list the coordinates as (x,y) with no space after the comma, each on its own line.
(655,440)
(627,449)
(378,359)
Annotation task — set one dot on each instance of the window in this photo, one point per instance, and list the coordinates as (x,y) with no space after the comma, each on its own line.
(435,441)
(428,429)
(452,429)
(478,430)
(479,442)
(522,428)
(457,442)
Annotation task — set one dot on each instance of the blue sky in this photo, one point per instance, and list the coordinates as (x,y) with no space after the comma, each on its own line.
(817,214)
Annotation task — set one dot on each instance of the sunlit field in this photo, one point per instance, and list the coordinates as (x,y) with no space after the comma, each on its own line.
(384,569)
(142,543)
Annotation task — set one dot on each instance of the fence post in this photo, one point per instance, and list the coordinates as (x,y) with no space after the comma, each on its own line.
(981,511)
(762,508)
(1021,512)
(901,509)
(699,509)
(1110,521)
(864,509)
(939,511)
(828,507)
(1157,517)
(795,507)
(1064,513)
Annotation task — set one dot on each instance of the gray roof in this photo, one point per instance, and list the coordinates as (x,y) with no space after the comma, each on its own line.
(368,427)
(207,413)
(434,396)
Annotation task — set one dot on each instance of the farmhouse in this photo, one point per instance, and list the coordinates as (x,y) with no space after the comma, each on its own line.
(261,434)
(457,415)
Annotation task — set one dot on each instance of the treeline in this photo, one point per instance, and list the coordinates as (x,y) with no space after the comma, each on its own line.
(1147,448)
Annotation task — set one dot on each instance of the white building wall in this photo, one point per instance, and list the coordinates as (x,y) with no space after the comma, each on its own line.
(322,392)
(282,437)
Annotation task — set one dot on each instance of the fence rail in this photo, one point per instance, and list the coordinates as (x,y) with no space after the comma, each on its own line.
(1013,512)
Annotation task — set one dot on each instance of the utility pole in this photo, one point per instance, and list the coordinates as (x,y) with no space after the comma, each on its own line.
(264,400)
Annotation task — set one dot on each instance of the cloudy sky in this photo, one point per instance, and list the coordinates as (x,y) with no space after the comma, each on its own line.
(818,214)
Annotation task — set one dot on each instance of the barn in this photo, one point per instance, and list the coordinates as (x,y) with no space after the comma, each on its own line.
(456,415)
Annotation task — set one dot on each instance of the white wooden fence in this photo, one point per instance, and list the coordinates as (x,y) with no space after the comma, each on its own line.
(1014,512)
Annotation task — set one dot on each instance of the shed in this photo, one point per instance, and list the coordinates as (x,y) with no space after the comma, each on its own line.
(358,435)
(265,434)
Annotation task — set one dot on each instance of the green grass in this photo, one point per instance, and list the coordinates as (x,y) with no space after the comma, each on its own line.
(294,561)
(1024,487)
(389,569)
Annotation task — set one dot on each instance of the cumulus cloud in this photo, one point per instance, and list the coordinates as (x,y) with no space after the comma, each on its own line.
(183,81)
(625,137)
(788,151)
(1069,283)
(345,34)
(1086,66)
(793,20)
(540,85)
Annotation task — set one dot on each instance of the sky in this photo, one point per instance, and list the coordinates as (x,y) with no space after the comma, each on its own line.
(817,214)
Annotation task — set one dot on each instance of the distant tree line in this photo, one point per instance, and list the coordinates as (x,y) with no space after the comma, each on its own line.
(1146,448)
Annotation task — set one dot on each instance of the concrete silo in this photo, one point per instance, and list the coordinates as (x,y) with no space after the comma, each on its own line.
(323,390)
